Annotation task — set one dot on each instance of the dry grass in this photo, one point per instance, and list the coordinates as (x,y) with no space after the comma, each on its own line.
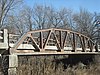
(45,65)
(55,65)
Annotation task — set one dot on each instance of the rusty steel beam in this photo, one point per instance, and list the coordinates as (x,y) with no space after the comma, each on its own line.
(42,30)
(61,42)
(91,45)
(65,38)
(47,39)
(35,44)
(70,31)
(20,41)
(61,39)
(41,40)
(82,44)
(71,40)
(74,43)
(57,42)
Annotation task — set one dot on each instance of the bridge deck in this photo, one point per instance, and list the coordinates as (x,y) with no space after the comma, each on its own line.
(59,53)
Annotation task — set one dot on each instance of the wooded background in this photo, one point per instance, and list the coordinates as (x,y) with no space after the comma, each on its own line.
(19,18)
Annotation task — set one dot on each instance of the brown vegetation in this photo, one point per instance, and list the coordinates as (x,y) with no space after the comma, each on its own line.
(46,65)
(41,17)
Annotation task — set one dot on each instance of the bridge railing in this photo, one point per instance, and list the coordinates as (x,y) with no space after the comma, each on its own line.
(7,38)
(13,38)
(4,39)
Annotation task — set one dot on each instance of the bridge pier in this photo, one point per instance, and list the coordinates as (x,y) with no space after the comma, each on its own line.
(13,64)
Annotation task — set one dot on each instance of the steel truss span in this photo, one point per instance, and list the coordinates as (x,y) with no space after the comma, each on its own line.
(53,41)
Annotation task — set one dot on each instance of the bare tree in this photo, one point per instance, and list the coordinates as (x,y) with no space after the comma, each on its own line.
(88,24)
(11,22)
(39,16)
(5,7)
(56,19)
(96,33)
(66,18)
(25,15)
(84,22)
(15,24)
(59,18)
(49,16)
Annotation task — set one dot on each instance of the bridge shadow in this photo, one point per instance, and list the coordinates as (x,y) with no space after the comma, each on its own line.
(73,60)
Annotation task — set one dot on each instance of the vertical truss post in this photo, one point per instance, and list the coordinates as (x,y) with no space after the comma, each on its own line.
(65,38)
(74,43)
(61,43)
(41,41)
(91,46)
(82,45)
(71,40)
(47,39)
(58,45)
(96,47)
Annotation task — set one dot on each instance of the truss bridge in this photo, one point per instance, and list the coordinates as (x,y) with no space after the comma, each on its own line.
(47,41)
